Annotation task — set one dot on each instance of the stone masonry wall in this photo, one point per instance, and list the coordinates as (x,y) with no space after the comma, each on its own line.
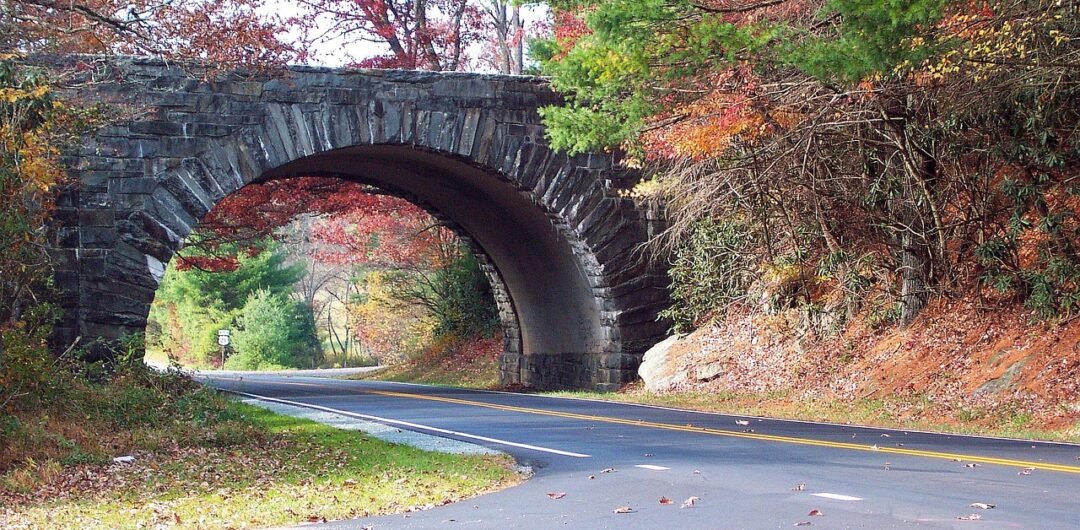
(140,186)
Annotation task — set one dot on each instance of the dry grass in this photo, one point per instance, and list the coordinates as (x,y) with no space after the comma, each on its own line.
(449,362)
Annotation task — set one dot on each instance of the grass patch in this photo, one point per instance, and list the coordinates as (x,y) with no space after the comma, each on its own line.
(201,460)
(913,412)
(449,362)
(262,470)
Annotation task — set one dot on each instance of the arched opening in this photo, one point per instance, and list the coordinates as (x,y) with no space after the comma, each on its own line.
(543,270)
(551,315)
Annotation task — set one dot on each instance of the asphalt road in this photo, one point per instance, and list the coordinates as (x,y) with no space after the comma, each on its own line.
(745,472)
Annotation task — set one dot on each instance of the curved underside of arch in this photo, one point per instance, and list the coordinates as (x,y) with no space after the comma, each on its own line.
(548,285)
(577,299)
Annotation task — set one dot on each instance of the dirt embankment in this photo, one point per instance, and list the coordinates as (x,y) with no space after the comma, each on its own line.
(960,361)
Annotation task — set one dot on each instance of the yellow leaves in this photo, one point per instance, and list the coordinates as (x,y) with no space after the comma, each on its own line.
(14,95)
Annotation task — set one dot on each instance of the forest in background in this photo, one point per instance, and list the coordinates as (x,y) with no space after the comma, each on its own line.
(318,272)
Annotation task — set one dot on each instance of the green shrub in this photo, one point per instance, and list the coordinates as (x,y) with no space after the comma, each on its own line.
(709,271)
(274,332)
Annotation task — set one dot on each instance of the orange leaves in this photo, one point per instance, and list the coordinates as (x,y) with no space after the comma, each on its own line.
(713,124)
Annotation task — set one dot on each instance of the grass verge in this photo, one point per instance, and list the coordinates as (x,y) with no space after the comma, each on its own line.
(202,461)
(914,412)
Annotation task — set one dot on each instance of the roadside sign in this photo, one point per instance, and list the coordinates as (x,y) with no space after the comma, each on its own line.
(223,337)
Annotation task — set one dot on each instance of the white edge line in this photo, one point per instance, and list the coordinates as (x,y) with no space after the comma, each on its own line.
(651,467)
(412,425)
(837,497)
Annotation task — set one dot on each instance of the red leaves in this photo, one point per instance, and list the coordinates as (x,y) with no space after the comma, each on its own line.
(666,501)
(207,263)
(361,225)
(226,33)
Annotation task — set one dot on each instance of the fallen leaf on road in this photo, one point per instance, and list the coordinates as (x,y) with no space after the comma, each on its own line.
(622,509)
(690,501)
(970,517)
(804,523)
(592,477)
(554,495)
(972,464)
(1026,471)
(665,501)
(697,471)
(982,506)
(815,513)
(886,436)
(648,455)
(799,487)
(742,422)
(316,519)
(608,470)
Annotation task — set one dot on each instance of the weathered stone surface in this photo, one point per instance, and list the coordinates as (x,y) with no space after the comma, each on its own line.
(658,369)
(577,307)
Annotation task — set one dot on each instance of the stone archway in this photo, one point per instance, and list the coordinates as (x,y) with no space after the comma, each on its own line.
(578,301)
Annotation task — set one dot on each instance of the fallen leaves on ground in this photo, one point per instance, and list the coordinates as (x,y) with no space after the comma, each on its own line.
(799,487)
(815,513)
(970,517)
(665,501)
(608,470)
(556,495)
(982,505)
(623,509)
(689,502)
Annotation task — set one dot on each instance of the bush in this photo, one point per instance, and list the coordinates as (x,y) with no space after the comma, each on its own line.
(275,332)
(709,271)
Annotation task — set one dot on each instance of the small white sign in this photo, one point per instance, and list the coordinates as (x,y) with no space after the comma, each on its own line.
(223,337)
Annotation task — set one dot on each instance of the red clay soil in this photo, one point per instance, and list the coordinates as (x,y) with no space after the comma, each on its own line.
(958,355)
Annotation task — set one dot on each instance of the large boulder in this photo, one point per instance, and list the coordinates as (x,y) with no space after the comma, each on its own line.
(660,370)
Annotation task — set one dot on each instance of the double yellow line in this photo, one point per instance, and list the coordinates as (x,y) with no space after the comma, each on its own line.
(746,435)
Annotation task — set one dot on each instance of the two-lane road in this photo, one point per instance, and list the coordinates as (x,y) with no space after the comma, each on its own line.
(745,471)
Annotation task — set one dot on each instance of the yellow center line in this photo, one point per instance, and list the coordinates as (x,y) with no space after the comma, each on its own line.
(745,435)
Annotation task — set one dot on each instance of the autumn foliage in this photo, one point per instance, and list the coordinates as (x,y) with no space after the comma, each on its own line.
(888,151)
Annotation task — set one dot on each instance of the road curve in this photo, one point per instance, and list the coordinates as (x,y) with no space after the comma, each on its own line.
(745,472)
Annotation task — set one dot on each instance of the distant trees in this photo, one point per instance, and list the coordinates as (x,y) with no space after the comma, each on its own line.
(423,34)
(375,275)
(227,32)
(251,295)
(891,150)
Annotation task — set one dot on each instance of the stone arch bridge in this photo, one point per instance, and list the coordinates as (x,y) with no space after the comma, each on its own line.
(577,301)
